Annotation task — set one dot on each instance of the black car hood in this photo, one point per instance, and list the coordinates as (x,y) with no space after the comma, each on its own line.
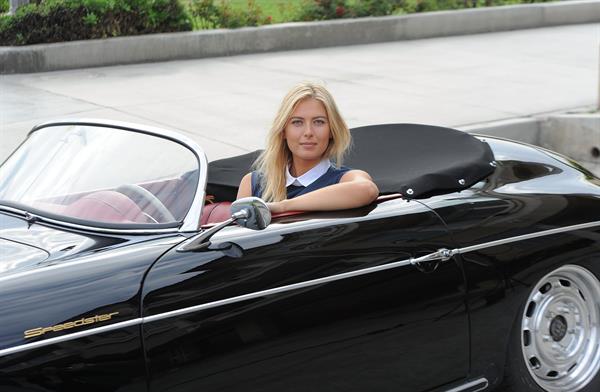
(16,255)
(24,246)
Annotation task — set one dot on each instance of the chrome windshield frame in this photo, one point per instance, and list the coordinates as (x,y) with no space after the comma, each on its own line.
(191,220)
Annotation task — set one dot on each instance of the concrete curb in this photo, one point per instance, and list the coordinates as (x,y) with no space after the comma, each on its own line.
(291,36)
(523,129)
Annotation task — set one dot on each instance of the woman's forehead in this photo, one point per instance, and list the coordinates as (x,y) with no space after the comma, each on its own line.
(309,107)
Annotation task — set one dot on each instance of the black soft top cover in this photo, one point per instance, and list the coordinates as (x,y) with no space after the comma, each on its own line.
(411,159)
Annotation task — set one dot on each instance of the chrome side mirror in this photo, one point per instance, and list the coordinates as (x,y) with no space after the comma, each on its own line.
(257,215)
(250,212)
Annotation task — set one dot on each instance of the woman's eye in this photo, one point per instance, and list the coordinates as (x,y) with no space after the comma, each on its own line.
(319,122)
(297,122)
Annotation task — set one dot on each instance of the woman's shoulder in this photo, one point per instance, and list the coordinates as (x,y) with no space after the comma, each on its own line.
(353,174)
(245,187)
(332,175)
(339,170)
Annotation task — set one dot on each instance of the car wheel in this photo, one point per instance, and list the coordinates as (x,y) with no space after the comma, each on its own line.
(556,340)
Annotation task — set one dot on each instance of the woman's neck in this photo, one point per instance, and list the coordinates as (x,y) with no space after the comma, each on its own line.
(301,166)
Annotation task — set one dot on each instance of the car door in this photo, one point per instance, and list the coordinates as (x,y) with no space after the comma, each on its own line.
(326,301)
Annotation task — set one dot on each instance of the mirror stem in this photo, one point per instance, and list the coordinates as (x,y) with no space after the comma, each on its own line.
(202,240)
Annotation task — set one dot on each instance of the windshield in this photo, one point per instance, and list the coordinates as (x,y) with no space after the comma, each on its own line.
(101,174)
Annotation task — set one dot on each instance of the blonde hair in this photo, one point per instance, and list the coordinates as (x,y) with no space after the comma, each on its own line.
(277,156)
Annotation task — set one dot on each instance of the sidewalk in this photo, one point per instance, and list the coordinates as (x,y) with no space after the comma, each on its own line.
(227,103)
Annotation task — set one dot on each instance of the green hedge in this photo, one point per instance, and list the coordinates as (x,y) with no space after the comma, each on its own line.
(45,21)
(210,14)
(68,20)
(336,9)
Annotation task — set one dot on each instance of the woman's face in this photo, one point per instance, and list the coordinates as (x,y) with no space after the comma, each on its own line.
(307,131)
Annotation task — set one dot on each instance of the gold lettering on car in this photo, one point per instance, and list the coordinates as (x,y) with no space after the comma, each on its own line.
(31,333)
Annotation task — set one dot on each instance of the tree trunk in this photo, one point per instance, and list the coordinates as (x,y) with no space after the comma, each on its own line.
(14,4)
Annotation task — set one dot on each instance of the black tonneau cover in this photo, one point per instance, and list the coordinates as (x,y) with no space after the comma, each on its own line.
(414,160)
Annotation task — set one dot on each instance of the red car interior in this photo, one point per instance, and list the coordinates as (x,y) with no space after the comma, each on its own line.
(106,206)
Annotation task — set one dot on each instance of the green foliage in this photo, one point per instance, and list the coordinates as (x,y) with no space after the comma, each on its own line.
(68,20)
(410,6)
(360,8)
(90,19)
(334,9)
(319,10)
(209,14)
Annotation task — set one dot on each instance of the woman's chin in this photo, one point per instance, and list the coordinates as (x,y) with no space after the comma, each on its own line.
(308,153)
(309,156)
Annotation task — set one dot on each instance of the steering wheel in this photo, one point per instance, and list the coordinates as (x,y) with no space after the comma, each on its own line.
(137,193)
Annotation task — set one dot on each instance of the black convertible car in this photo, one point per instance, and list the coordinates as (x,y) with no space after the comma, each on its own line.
(125,267)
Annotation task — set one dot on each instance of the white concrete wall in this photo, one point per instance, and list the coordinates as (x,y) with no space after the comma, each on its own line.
(574,135)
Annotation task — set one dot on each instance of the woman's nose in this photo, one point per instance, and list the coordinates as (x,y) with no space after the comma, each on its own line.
(308,130)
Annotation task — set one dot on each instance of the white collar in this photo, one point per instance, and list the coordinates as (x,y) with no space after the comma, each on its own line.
(310,176)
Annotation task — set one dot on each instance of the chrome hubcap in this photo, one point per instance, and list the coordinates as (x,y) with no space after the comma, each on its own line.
(560,333)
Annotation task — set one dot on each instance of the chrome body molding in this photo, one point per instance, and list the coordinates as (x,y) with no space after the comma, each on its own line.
(472,386)
(281,289)
(524,237)
(441,255)
(445,254)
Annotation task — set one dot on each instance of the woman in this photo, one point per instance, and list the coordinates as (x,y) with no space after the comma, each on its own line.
(295,172)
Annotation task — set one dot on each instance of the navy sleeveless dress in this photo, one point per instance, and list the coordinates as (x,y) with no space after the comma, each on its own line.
(331,176)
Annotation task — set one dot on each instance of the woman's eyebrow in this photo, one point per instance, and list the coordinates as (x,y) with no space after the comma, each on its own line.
(302,118)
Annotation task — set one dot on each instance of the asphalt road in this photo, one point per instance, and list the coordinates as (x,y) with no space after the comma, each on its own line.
(226,104)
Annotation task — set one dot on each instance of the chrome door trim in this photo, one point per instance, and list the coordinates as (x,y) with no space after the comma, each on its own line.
(281,289)
(529,236)
(442,255)
(474,386)
(445,254)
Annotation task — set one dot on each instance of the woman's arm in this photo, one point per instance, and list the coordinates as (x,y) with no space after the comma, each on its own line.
(245,189)
(355,189)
